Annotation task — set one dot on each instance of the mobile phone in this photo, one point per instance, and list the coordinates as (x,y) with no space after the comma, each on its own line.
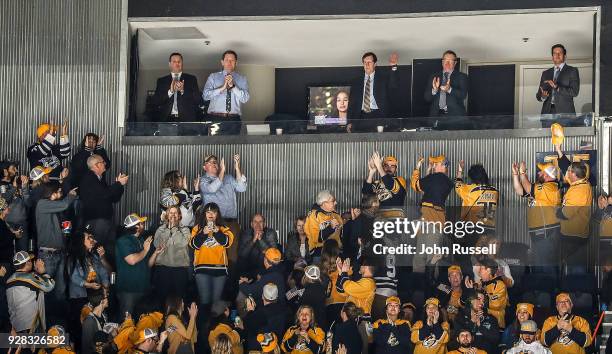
(233,315)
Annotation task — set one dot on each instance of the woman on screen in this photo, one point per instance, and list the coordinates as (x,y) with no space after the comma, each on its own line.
(342,101)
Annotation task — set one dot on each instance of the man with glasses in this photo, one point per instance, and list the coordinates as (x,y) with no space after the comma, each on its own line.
(448,89)
(97,199)
(566,332)
(322,223)
(218,187)
(369,97)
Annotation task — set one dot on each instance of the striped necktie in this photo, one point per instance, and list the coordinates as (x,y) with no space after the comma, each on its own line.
(366,95)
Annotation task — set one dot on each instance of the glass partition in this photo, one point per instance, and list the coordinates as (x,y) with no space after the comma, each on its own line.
(283,126)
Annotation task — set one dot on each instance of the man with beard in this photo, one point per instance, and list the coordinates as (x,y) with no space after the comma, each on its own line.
(464,338)
(390,188)
(450,294)
(475,318)
(392,335)
(528,341)
(543,198)
(566,333)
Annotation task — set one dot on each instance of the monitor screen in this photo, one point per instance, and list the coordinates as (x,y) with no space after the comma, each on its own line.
(328,105)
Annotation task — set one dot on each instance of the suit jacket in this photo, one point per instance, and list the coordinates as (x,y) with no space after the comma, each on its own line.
(568,86)
(188,103)
(383,84)
(454,99)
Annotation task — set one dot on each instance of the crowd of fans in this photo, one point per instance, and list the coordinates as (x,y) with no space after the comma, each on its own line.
(200,282)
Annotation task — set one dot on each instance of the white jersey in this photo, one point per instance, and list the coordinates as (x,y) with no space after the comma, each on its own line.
(534,348)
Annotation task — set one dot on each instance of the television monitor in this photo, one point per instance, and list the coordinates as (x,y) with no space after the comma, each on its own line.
(322,106)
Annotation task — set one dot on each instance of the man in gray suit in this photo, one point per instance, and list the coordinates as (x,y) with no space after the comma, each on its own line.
(559,85)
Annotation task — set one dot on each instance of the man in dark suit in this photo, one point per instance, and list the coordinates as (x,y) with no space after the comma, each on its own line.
(448,89)
(177,96)
(369,96)
(559,85)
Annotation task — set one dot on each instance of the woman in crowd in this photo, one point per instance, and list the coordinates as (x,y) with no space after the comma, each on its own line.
(431,334)
(503,270)
(171,271)
(296,247)
(346,331)
(87,267)
(210,240)
(335,300)
(174,193)
(511,335)
(305,336)
(222,345)
(182,337)
(222,326)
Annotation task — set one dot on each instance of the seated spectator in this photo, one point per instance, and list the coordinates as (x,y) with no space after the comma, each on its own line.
(150,319)
(268,343)
(335,300)
(134,259)
(296,247)
(315,293)
(210,239)
(87,271)
(97,199)
(15,191)
(305,336)
(273,273)
(464,338)
(528,342)
(322,223)
(91,144)
(254,241)
(295,288)
(25,293)
(450,294)
(171,271)
(58,332)
(270,318)
(392,335)
(512,334)
(222,345)
(147,341)
(95,321)
(182,337)
(566,332)
(51,233)
(475,318)
(174,192)
(45,152)
(407,313)
(221,326)
(430,335)
(346,331)
(495,289)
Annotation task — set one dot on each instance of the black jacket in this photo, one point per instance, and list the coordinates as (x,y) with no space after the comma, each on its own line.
(265,319)
(383,84)
(273,275)
(568,86)
(78,165)
(187,103)
(346,333)
(251,254)
(454,100)
(486,336)
(315,296)
(98,197)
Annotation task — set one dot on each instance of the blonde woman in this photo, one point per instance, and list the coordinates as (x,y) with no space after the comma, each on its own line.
(304,336)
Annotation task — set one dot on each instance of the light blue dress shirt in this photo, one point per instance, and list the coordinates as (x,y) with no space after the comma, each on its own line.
(223,193)
(214,93)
